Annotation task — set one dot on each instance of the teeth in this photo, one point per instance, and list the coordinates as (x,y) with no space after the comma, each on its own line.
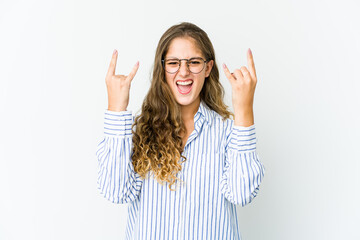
(184,83)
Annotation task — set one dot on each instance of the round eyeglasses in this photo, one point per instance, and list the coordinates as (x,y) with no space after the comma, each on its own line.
(195,65)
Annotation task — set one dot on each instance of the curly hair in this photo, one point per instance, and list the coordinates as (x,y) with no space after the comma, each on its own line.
(157,145)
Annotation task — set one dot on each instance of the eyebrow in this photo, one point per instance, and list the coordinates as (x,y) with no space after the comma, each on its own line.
(170,57)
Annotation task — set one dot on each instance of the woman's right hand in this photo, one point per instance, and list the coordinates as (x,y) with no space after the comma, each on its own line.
(118,86)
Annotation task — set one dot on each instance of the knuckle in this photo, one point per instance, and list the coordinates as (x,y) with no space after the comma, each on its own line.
(244,70)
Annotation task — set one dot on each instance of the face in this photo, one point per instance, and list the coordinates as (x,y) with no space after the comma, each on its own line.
(186,95)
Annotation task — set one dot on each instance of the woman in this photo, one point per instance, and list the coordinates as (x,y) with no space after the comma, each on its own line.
(182,164)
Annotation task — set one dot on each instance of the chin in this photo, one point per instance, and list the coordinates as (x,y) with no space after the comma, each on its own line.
(184,101)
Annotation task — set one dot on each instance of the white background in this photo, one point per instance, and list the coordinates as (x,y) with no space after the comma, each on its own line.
(53,59)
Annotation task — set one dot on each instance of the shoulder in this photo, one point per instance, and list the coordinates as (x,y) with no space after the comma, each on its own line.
(220,124)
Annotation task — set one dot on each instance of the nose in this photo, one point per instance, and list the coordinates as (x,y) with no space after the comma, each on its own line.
(184,70)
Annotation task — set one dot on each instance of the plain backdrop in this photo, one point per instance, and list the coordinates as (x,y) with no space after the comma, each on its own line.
(53,59)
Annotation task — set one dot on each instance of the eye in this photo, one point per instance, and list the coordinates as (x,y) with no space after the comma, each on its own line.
(172,62)
(194,62)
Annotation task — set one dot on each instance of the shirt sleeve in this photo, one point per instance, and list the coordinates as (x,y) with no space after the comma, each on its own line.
(117,180)
(243,171)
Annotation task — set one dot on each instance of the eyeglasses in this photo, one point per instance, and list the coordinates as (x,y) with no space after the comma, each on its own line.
(195,65)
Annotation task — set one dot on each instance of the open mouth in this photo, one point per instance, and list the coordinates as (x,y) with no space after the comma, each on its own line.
(184,87)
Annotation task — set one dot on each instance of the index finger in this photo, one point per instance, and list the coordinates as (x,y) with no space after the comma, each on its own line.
(111,70)
(227,73)
(133,71)
(251,63)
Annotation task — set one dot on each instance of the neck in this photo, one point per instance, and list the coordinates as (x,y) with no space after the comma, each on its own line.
(188,111)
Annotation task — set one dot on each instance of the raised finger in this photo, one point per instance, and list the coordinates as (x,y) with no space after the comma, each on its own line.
(227,73)
(112,66)
(251,64)
(133,71)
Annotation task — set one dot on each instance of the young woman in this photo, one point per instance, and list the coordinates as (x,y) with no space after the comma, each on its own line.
(183,164)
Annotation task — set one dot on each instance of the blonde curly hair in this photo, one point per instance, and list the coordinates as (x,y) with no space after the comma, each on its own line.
(157,145)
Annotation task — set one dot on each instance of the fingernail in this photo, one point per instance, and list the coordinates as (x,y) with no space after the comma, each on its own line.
(137,63)
(114,51)
(224,66)
(250,51)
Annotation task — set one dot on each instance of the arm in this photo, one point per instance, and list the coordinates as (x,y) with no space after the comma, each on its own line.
(117,180)
(243,171)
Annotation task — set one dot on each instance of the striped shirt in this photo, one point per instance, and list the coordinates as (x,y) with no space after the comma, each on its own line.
(222,170)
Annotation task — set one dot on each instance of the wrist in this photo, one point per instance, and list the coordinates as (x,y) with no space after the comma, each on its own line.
(244,117)
(116,108)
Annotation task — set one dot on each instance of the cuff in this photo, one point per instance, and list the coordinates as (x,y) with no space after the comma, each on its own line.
(243,138)
(117,123)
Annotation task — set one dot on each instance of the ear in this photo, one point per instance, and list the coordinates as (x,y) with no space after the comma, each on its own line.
(209,66)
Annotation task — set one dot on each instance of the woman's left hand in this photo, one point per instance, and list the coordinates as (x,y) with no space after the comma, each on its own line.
(243,83)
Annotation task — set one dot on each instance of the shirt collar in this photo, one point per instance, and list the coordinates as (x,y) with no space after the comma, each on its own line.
(205,112)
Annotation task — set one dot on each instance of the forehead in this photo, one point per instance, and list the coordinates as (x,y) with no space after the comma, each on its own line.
(184,47)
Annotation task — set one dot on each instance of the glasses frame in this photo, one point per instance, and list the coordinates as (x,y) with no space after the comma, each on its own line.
(187,64)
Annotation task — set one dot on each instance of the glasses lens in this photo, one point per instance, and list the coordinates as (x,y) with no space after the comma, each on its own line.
(196,65)
(172,65)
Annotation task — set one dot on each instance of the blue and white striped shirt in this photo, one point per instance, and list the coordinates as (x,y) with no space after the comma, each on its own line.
(222,170)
